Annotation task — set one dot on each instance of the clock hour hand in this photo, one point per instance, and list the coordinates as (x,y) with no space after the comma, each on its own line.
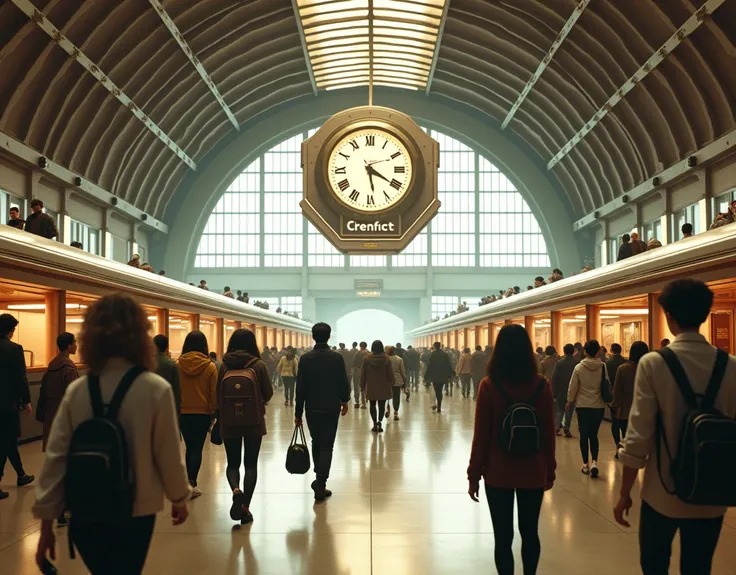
(370,177)
(372,170)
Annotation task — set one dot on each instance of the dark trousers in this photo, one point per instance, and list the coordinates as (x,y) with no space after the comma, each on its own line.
(501,504)
(465,383)
(9,443)
(114,548)
(615,427)
(623,425)
(377,407)
(438,385)
(289,384)
(251,448)
(476,382)
(413,375)
(396,391)
(323,429)
(194,428)
(698,540)
(589,421)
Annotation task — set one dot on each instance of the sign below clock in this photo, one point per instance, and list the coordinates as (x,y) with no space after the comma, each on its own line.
(370,180)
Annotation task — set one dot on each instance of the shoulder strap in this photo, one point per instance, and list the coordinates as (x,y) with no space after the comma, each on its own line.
(714,385)
(537,392)
(95,395)
(121,390)
(678,373)
(503,393)
(604,374)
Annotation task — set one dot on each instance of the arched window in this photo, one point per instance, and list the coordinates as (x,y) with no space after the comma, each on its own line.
(484,221)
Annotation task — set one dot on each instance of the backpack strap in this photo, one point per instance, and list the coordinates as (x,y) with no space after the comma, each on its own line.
(95,395)
(121,390)
(714,385)
(503,393)
(680,377)
(537,392)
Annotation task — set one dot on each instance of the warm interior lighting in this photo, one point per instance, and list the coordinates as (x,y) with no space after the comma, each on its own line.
(74,320)
(42,307)
(606,316)
(631,311)
(351,42)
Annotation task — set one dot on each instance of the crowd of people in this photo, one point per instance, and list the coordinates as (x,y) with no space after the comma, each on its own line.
(524,399)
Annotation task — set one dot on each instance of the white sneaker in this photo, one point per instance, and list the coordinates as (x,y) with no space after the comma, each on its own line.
(593,470)
(196,493)
(585,470)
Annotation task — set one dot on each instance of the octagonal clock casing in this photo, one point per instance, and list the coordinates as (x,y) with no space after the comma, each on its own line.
(370,180)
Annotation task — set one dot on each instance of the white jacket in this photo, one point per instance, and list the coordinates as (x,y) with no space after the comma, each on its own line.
(148,417)
(585,384)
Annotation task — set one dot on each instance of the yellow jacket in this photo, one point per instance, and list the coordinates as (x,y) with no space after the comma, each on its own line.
(288,368)
(198,381)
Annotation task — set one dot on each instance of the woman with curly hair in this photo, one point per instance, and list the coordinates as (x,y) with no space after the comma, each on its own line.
(115,342)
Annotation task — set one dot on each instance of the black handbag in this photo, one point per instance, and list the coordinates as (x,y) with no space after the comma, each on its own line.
(297,456)
(606,389)
(215,436)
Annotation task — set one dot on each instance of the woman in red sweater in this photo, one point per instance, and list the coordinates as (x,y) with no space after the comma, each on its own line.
(512,379)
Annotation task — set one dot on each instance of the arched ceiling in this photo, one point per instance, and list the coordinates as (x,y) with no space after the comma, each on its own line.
(252,51)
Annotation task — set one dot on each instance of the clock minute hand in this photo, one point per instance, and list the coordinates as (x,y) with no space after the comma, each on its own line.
(376,162)
(370,176)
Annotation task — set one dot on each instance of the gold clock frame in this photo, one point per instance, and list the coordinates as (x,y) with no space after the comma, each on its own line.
(321,206)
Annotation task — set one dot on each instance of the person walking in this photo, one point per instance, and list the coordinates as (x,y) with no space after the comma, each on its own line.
(623,389)
(412,370)
(464,369)
(561,376)
(657,421)
(423,363)
(115,344)
(15,398)
(60,373)
(243,390)
(612,364)
(40,223)
(439,372)
(288,369)
(513,380)
(358,390)
(547,365)
(400,380)
(350,371)
(166,368)
(323,392)
(479,361)
(377,381)
(585,393)
(198,380)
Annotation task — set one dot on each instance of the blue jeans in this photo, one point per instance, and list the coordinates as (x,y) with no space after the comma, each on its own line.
(563,416)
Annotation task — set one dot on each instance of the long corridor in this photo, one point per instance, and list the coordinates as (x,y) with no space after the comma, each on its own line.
(399,507)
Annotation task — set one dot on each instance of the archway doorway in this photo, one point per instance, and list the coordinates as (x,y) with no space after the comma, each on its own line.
(368,325)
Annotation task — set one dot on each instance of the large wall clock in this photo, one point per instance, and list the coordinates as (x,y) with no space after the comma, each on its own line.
(370,180)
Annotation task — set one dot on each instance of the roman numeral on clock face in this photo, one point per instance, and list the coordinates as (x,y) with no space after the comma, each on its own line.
(388,198)
(370,140)
(344,156)
(354,195)
(395,155)
(397,169)
(340,170)
(354,144)
(371,201)
(344,185)
(396,184)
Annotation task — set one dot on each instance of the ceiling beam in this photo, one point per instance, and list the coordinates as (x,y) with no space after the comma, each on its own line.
(440,33)
(169,23)
(63,42)
(307,59)
(667,177)
(571,21)
(691,24)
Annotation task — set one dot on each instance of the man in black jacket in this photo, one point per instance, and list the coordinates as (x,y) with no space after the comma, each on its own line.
(323,391)
(439,372)
(560,382)
(39,223)
(624,250)
(15,220)
(412,367)
(14,397)
(479,361)
(614,362)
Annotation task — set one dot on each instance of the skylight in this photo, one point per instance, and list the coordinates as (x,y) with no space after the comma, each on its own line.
(351,42)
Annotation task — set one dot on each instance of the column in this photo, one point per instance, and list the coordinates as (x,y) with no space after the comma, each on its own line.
(162,321)
(657,321)
(261,337)
(592,322)
(280,336)
(466,337)
(478,331)
(555,331)
(508,322)
(529,327)
(239,325)
(219,337)
(193,321)
(55,321)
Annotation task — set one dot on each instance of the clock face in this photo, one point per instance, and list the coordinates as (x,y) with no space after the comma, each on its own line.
(369,170)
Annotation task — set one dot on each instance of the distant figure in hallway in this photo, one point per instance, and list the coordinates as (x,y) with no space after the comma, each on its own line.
(687,230)
(58,376)
(412,370)
(612,364)
(166,368)
(323,391)
(15,220)
(513,470)
(464,370)
(439,372)
(39,223)
(358,390)
(560,380)
(624,250)
(400,380)
(377,381)
(479,361)
(623,390)
(288,369)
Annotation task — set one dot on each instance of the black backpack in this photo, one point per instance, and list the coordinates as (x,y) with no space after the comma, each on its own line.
(520,432)
(98,487)
(702,469)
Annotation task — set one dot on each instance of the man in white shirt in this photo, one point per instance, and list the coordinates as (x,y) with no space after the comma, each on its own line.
(686,303)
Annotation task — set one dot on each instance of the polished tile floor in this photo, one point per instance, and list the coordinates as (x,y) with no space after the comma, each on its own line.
(399,507)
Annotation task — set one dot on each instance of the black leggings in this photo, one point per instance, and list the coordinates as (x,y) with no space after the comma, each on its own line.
(397,398)
(114,548)
(377,417)
(252,447)
(289,383)
(194,428)
(589,422)
(501,504)
(438,385)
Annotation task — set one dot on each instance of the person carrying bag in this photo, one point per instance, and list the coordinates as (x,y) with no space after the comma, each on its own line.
(297,456)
